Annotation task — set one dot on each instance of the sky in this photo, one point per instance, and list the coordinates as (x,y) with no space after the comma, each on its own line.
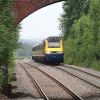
(42,23)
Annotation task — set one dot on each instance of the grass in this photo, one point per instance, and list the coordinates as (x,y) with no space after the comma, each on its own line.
(95,65)
(10,73)
(1,77)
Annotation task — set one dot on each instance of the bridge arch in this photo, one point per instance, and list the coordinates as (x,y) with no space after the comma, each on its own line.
(23,8)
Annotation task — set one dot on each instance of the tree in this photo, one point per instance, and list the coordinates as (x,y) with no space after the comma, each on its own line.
(72,11)
(82,47)
(8,37)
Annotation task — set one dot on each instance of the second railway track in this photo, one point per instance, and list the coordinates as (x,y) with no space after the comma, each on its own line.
(84,72)
(93,75)
(65,67)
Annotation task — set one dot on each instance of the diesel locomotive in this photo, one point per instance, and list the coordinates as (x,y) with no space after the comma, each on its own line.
(50,51)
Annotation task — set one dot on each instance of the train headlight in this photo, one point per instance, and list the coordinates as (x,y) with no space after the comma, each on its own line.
(48,52)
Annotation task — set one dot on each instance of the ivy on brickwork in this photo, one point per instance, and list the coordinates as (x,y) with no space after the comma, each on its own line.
(8,40)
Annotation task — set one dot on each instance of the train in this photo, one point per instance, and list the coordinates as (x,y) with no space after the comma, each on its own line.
(49,51)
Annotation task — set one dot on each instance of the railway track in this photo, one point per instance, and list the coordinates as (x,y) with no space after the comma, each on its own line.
(74,75)
(93,75)
(74,95)
(82,71)
(40,90)
(70,73)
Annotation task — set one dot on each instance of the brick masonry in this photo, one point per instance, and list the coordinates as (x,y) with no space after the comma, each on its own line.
(23,8)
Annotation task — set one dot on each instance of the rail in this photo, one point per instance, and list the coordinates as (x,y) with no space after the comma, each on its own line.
(74,95)
(41,92)
(78,77)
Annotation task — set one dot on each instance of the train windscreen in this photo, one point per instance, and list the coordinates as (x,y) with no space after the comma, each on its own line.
(54,42)
(54,45)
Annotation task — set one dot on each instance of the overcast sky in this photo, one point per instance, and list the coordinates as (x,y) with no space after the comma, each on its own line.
(42,23)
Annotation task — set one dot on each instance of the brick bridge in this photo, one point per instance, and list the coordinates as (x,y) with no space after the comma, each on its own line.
(23,8)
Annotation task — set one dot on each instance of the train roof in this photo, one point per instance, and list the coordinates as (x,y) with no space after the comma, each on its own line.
(50,39)
(54,38)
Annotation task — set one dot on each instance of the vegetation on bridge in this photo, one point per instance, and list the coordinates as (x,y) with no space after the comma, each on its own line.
(8,40)
(80,25)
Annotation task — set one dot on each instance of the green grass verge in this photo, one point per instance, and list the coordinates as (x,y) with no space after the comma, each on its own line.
(95,65)
(1,77)
(10,73)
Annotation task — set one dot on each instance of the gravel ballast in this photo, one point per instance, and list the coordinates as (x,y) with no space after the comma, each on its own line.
(81,88)
(24,87)
(25,90)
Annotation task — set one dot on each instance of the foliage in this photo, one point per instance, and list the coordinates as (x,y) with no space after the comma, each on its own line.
(25,51)
(82,46)
(8,36)
(72,11)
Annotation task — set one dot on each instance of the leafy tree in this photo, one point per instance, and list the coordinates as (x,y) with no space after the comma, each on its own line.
(83,44)
(8,36)
(72,11)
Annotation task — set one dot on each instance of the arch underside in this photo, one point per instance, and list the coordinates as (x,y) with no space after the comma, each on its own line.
(23,8)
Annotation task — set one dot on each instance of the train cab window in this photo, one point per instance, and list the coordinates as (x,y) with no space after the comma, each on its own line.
(53,44)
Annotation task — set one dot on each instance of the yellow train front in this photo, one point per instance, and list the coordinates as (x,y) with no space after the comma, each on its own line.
(50,51)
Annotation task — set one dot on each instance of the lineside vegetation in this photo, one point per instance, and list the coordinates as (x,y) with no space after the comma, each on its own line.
(80,26)
(8,41)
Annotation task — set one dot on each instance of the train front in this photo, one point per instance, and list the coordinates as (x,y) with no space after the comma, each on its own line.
(54,50)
